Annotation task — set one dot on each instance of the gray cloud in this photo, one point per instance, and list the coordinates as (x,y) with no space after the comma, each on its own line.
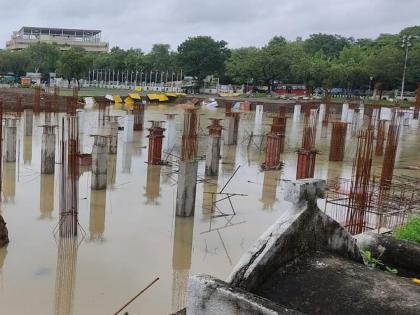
(140,23)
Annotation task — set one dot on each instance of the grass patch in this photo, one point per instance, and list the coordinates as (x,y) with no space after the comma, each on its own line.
(409,231)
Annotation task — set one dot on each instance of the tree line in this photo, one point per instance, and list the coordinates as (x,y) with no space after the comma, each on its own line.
(322,60)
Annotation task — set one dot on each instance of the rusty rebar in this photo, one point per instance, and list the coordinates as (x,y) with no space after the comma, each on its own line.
(189,136)
(359,196)
(391,147)
(380,138)
(338,141)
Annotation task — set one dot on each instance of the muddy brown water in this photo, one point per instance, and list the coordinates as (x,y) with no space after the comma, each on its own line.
(129,234)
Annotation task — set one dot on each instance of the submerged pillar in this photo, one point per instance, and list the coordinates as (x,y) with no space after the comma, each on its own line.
(29,117)
(272,153)
(48,150)
(322,112)
(350,114)
(259,109)
(305,164)
(113,139)
(344,112)
(296,112)
(138,113)
(213,148)
(231,128)
(338,141)
(11,140)
(81,117)
(187,184)
(170,132)
(128,127)
(155,143)
(99,162)
(187,175)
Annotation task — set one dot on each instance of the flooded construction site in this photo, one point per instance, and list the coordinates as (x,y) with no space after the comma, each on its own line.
(101,200)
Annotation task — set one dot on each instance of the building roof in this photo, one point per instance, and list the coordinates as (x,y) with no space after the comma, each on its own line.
(25,29)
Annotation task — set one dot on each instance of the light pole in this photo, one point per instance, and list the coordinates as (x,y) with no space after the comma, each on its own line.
(405,44)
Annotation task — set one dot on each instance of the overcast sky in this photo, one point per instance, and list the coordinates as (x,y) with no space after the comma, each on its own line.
(141,23)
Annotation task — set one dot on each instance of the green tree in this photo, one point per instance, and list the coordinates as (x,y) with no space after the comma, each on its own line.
(43,57)
(202,55)
(72,64)
(241,65)
(161,58)
(13,61)
(329,45)
(386,65)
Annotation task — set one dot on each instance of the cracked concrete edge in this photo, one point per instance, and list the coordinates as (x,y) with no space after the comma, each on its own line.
(208,295)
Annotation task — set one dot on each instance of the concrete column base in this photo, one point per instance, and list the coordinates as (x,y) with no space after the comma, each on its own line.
(187,184)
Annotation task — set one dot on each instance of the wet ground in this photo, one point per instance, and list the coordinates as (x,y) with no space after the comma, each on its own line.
(130,232)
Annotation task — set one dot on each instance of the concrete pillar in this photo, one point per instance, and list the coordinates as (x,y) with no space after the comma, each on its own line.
(296,112)
(81,115)
(128,127)
(385,113)
(187,183)
(11,140)
(321,112)
(213,155)
(350,114)
(229,132)
(259,109)
(344,111)
(113,140)
(361,110)
(29,117)
(99,162)
(48,150)
(406,121)
(170,132)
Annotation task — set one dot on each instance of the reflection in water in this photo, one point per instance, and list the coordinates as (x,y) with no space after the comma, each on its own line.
(138,143)
(229,158)
(152,189)
(65,275)
(209,187)
(27,149)
(334,169)
(9,181)
(181,260)
(127,154)
(46,198)
(112,170)
(294,135)
(269,191)
(3,254)
(97,214)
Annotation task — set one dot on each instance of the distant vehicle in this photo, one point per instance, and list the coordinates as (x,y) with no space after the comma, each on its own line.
(25,81)
(292,89)
(7,79)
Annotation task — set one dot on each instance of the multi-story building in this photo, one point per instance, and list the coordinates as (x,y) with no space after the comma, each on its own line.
(65,38)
